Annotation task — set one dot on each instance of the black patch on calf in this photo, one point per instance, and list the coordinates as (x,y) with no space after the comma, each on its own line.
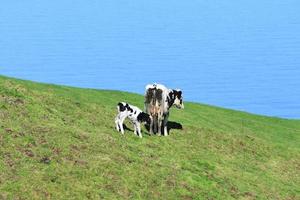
(128,108)
(121,107)
(144,117)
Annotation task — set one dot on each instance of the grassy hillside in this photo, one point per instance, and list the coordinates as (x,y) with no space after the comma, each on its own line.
(59,142)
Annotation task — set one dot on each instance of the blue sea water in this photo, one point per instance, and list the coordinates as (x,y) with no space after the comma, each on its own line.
(237,54)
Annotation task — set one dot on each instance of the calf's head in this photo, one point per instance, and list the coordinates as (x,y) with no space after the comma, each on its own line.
(122,106)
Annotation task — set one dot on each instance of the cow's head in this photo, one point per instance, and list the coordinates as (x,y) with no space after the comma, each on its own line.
(177,98)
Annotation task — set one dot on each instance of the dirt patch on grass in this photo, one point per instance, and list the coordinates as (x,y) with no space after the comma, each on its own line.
(249,195)
(29,153)
(78,148)
(14,133)
(13,101)
(56,150)
(81,136)
(80,162)
(45,160)
(8,160)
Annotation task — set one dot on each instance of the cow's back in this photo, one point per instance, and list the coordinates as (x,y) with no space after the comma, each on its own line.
(153,98)
(154,102)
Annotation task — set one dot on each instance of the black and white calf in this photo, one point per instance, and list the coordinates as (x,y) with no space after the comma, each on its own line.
(136,115)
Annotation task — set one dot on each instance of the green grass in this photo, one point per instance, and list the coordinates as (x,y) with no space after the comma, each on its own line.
(59,142)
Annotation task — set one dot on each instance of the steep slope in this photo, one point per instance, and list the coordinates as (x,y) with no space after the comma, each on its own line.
(59,142)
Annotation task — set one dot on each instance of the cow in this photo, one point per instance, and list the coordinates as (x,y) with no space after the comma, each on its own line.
(158,101)
(136,115)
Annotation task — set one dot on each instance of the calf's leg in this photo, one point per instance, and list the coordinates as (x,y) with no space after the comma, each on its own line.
(165,122)
(121,121)
(135,128)
(138,126)
(117,121)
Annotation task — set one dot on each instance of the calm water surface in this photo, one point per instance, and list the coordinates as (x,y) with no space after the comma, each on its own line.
(236,54)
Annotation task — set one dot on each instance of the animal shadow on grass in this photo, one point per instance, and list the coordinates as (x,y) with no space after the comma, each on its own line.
(131,130)
(126,128)
(173,125)
(170,125)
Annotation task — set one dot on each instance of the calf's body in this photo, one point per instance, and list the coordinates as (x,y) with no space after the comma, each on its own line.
(134,114)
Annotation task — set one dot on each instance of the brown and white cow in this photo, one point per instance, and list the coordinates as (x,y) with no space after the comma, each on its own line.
(158,101)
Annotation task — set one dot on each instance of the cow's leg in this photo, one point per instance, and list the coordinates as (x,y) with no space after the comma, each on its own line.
(159,126)
(165,122)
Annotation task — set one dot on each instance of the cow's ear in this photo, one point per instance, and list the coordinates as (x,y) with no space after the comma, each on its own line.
(178,92)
